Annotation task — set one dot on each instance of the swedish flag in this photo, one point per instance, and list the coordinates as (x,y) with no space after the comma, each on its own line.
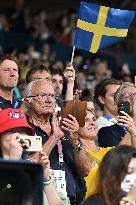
(99,26)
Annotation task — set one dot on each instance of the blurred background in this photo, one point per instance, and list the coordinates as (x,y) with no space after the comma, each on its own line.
(43,32)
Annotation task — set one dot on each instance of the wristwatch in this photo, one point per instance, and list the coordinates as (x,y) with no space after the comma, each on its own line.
(77,147)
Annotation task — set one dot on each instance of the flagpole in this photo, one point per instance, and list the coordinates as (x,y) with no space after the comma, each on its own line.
(73,52)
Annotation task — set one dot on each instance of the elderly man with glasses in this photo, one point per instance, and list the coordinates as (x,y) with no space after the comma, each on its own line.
(67,157)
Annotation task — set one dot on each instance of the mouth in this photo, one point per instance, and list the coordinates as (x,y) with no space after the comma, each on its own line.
(47,106)
(12,79)
(91,128)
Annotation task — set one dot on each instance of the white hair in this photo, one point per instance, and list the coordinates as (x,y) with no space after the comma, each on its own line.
(28,91)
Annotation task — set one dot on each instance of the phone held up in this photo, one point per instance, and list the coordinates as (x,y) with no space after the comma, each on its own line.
(124,106)
(34,143)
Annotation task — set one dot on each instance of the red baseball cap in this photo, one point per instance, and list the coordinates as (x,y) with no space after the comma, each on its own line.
(13,118)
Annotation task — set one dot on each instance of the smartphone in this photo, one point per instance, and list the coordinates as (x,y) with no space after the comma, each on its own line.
(127,182)
(77,108)
(35,143)
(124,106)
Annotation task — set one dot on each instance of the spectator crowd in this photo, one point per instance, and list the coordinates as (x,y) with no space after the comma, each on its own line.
(94,164)
(75,155)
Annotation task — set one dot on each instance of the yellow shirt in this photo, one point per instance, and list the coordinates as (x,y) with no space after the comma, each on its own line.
(91,179)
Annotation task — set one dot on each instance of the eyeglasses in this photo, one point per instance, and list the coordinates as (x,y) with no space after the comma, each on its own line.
(128,95)
(43,96)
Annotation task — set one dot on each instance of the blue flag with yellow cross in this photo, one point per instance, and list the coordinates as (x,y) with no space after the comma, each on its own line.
(100,26)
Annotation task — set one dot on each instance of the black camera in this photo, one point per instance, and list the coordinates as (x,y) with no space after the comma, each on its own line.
(21,183)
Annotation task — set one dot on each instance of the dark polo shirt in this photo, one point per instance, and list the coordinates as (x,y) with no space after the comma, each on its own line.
(7,103)
(76,187)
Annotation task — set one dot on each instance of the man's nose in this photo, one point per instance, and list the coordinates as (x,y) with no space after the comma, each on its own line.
(48,99)
(57,84)
(12,73)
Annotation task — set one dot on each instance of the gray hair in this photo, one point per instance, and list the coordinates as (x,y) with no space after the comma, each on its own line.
(117,95)
(28,91)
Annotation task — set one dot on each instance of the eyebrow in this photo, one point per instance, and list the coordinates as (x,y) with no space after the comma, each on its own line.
(10,68)
(33,96)
(91,110)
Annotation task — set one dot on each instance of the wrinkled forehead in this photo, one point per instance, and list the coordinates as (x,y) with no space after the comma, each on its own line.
(129,90)
(42,87)
(8,64)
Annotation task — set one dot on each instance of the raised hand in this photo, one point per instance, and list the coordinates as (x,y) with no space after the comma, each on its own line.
(70,124)
(15,147)
(77,94)
(69,74)
(44,161)
(57,132)
(127,121)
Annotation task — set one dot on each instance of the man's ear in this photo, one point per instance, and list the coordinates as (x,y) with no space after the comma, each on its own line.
(101,99)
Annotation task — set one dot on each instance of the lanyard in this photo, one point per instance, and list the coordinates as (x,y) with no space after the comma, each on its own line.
(60,152)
